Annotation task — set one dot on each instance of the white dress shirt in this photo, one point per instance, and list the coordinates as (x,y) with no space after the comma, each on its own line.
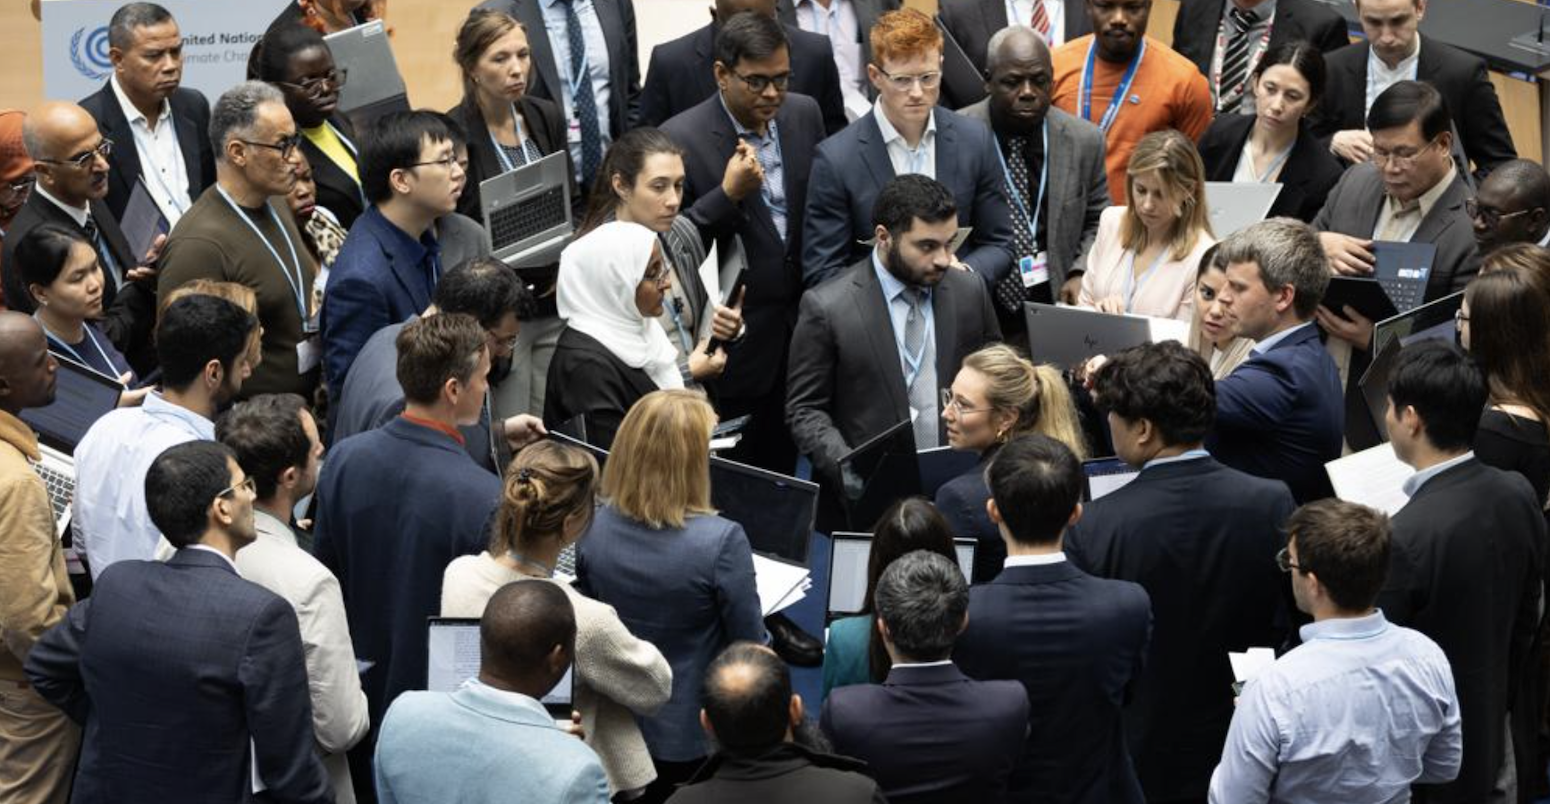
(1380,76)
(77,214)
(1043,559)
(161,158)
(838,22)
(920,159)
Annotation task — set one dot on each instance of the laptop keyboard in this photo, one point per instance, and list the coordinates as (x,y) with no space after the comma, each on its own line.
(1406,294)
(514,223)
(61,488)
(566,563)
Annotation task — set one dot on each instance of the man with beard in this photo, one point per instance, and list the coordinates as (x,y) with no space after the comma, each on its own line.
(204,344)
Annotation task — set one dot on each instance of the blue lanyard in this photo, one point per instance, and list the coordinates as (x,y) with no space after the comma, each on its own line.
(1017,197)
(678,324)
(1133,285)
(912,362)
(500,151)
(107,361)
(1086,88)
(296,282)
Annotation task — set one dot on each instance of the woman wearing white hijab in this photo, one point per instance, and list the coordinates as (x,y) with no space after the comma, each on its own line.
(612,352)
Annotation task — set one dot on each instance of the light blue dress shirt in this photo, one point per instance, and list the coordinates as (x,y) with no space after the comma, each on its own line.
(1414,482)
(1269,343)
(1187,455)
(899,312)
(1356,714)
(110,519)
(596,61)
(767,148)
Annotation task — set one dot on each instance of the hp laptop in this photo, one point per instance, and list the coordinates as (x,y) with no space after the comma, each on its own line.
(375,86)
(1105,476)
(1068,336)
(527,212)
(848,557)
(453,654)
(1234,205)
(81,397)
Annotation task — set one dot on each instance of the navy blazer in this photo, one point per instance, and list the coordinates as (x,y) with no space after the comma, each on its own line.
(1311,171)
(774,281)
(1281,414)
(191,123)
(962,503)
(395,505)
(1201,539)
(681,75)
(851,169)
(185,676)
(931,734)
(1076,643)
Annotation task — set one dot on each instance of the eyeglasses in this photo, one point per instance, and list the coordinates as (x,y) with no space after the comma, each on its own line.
(1487,215)
(315,87)
(903,83)
(1404,160)
(1284,561)
(449,161)
(246,484)
(951,401)
(1460,318)
(83,160)
(758,83)
(20,187)
(503,344)
(286,147)
(662,278)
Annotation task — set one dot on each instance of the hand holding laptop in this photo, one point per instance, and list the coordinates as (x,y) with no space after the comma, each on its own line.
(1348,256)
(1348,325)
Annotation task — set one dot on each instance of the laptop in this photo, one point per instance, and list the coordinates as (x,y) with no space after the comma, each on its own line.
(881,471)
(776,511)
(1069,336)
(1105,476)
(848,557)
(1402,270)
(81,397)
(527,212)
(1430,321)
(375,87)
(453,653)
(1238,205)
(962,82)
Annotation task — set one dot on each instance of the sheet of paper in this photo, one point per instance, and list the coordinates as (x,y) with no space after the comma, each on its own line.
(1373,477)
(1168,329)
(710,277)
(1250,663)
(776,581)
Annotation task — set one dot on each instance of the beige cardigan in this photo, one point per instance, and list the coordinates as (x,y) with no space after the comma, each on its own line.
(1168,293)
(616,674)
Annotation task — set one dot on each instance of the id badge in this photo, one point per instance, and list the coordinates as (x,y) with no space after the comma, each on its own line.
(309,354)
(573,131)
(1034,270)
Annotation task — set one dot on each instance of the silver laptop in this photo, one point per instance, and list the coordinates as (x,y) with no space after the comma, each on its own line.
(527,212)
(81,397)
(1234,205)
(848,556)
(374,86)
(1068,336)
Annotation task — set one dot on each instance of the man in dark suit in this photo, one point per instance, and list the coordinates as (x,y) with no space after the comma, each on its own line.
(1394,52)
(928,732)
(1468,553)
(848,26)
(1512,206)
(1279,414)
(765,213)
(1076,642)
(607,105)
(1208,31)
(184,708)
(972,23)
(680,74)
(875,346)
(905,133)
(71,164)
(1201,539)
(1047,156)
(144,111)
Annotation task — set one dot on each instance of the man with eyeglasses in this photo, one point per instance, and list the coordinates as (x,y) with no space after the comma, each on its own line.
(162,126)
(191,681)
(905,133)
(1511,206)
(16,167)
(241,230)
(681,73)
(1305,728)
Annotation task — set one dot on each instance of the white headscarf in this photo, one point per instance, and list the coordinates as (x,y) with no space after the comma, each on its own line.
(596,295)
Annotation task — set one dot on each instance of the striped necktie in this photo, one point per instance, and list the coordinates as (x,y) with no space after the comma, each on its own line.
(1235,61)
(1040,18)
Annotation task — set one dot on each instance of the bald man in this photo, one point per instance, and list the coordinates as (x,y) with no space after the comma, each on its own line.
(38,742)
(71,164)
(1511,206)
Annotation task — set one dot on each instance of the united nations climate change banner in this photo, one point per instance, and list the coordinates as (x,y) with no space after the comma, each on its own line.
(217,37)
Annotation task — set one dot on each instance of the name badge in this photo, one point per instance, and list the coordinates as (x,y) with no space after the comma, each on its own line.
(573,131)
(309,354)
(1034,270)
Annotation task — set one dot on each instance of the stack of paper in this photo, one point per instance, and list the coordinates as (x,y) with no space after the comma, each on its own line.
(781,584)
(1373,477)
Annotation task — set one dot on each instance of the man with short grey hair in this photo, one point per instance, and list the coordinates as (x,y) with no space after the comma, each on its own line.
(1281,413)
(929,733)
(241,230)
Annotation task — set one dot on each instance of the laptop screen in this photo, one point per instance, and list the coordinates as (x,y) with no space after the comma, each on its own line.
(1106,476)
(81,397)
(776,511)
(847,569)
(885,469)
(453,658)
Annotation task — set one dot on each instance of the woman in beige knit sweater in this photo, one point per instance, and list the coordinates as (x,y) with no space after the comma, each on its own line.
(546,506)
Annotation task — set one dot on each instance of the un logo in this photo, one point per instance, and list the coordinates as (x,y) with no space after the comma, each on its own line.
(89,53)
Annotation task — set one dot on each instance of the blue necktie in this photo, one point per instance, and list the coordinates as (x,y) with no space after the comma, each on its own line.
(583,100)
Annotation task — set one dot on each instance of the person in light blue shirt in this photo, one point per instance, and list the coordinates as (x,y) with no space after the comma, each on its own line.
(1363,708)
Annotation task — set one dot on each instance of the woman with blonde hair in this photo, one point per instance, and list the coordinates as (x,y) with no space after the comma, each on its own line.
(997,396)
(1143,259)
(546,506)
(678,575)
(1210,331)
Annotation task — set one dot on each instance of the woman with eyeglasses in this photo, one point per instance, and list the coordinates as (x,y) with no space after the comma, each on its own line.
(296,60)
(997,396)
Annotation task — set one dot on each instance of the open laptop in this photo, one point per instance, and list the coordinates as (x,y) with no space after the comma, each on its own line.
(776,511)
(1068,336)
(453,653)
(1402,270)
(374,86)
(1238,205)
(1432,321)
(81,397)
(1105,476)
(848,556)
(881,471)
(527,212)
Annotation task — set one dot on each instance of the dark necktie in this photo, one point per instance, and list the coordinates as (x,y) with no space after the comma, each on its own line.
(1010,291)
(104,254)
(582,97)
(1235,61)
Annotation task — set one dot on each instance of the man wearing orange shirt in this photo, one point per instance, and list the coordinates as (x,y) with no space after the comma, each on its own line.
(1128,84)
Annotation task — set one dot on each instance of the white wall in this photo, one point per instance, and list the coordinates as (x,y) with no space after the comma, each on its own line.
(658,21)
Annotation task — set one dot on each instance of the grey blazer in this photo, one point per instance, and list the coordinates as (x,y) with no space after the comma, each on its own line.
(1076,171)
(1353,207)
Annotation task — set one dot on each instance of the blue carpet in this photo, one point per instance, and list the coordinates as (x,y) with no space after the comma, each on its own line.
(809,613)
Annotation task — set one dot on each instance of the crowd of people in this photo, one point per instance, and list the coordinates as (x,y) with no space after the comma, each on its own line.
(335,407)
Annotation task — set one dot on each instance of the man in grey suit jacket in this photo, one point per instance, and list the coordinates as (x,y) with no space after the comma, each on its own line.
(1049,159)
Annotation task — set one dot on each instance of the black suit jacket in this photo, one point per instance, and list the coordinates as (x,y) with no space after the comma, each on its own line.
(191,121)
(1195,28)
(617,18)
(156,690)
(542,120)
(972,22)
(1201,539)
(1465,570)
(1076,643)
(867,12)
(931,734)
(774,281)
(338,191)
(1461,79)
(1310,172)
(844,383)
(585,379)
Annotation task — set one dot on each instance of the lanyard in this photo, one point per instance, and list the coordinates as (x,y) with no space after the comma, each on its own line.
(1275,165)
(912,362)
(1017,197)
(1085,89)
(678,324)
(500,151)
(1133,285)
(295,282)
(107,361)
